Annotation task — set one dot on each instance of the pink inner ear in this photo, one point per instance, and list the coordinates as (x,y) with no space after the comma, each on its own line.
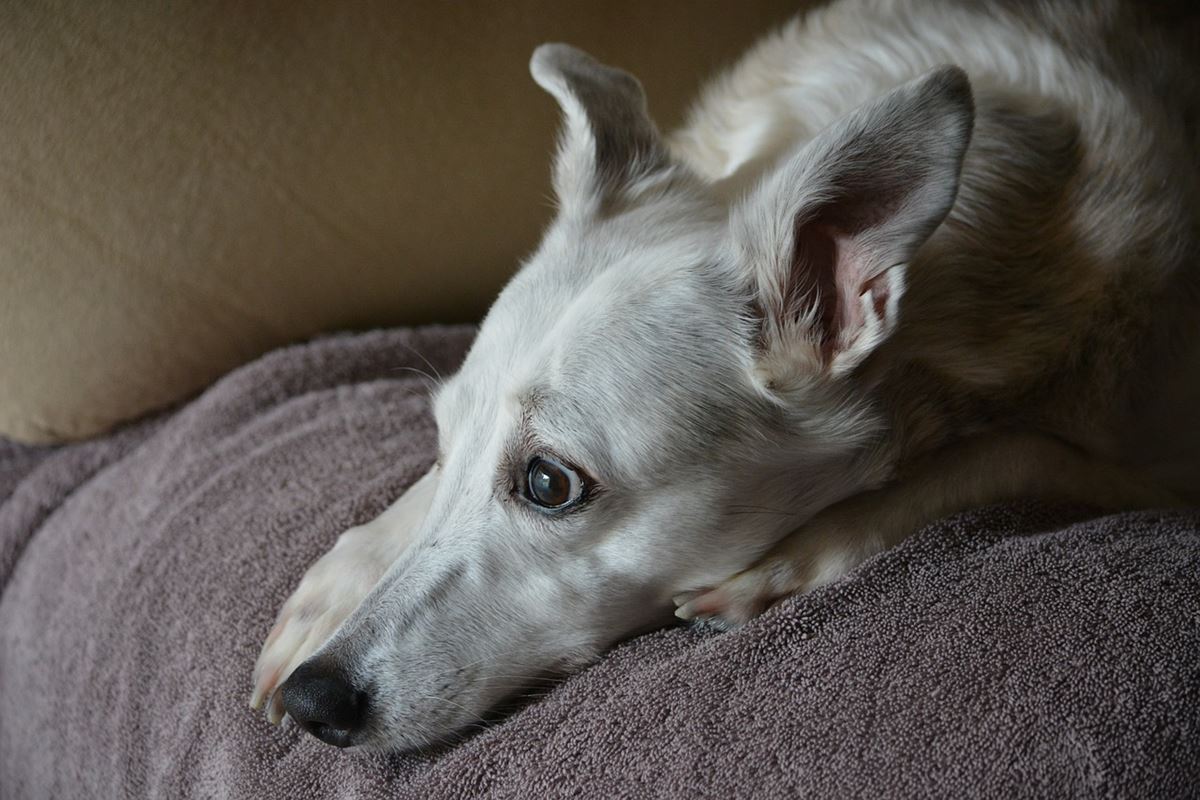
(830,264)
(880,294)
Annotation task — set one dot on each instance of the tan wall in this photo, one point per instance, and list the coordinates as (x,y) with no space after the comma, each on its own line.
(188,184)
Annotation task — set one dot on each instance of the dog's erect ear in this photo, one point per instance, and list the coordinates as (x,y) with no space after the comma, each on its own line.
(608,139)
(828,235)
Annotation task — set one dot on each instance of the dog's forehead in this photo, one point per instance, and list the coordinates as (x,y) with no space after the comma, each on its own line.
(641,339)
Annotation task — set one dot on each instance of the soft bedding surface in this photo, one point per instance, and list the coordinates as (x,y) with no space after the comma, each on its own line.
(1014,651)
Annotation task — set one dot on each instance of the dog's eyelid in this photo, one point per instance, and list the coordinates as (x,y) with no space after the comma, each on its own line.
(584,475)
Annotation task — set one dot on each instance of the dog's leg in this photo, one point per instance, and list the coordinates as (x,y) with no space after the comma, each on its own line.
(333,587)
(965,475)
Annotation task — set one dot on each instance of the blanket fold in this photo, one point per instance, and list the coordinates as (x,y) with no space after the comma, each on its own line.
(1017,651)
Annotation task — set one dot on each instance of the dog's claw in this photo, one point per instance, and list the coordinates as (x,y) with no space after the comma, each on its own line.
(693,605)
(682,598)
(275,711)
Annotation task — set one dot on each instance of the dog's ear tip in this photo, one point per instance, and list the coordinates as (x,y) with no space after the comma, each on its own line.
(953,77)
(552,58)
(951,83)
(608,136)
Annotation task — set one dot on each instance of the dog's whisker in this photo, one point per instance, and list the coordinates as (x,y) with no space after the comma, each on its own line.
(428,363)
(418,371)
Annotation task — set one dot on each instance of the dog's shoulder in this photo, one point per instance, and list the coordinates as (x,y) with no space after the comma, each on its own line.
(1075,221)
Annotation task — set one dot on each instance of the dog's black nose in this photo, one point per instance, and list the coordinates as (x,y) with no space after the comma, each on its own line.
(323,702)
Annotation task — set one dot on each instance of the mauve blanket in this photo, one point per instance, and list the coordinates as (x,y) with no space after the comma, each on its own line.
(1014,651)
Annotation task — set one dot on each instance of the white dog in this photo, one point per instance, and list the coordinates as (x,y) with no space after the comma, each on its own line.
(907,258)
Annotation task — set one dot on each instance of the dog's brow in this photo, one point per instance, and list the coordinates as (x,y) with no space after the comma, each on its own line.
(552,421)
(529,402)
(520,445)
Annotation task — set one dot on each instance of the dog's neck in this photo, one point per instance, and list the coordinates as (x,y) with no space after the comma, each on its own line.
(946,374)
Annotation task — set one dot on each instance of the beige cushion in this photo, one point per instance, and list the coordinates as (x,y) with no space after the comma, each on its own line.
(183,190)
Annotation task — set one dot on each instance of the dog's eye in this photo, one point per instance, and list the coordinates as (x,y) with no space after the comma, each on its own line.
(549,484)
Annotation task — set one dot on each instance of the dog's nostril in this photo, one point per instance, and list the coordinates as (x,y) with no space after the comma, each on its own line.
(324,702)
(329,734)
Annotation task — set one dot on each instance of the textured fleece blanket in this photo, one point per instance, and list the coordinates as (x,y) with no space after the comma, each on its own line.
(1013,651)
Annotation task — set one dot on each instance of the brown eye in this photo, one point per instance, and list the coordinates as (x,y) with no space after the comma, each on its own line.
(549,484)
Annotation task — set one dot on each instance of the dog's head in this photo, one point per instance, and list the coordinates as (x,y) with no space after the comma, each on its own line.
(665,389)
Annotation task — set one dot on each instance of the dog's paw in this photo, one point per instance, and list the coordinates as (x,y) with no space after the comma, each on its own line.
(741,598)
(329,592)
(800,563)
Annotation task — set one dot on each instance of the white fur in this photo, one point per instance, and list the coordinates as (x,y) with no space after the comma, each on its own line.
(742,333)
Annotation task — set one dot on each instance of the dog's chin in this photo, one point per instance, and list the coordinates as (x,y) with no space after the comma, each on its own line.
(395,742)
(383,745)
(428,736)
(435,740)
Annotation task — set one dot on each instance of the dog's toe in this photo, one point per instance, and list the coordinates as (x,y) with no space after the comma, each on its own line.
(328,594)
(739,599)
(730,605)
(296,636)
(683,598)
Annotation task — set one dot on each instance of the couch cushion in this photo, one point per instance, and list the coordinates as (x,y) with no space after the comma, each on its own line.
(187,186)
